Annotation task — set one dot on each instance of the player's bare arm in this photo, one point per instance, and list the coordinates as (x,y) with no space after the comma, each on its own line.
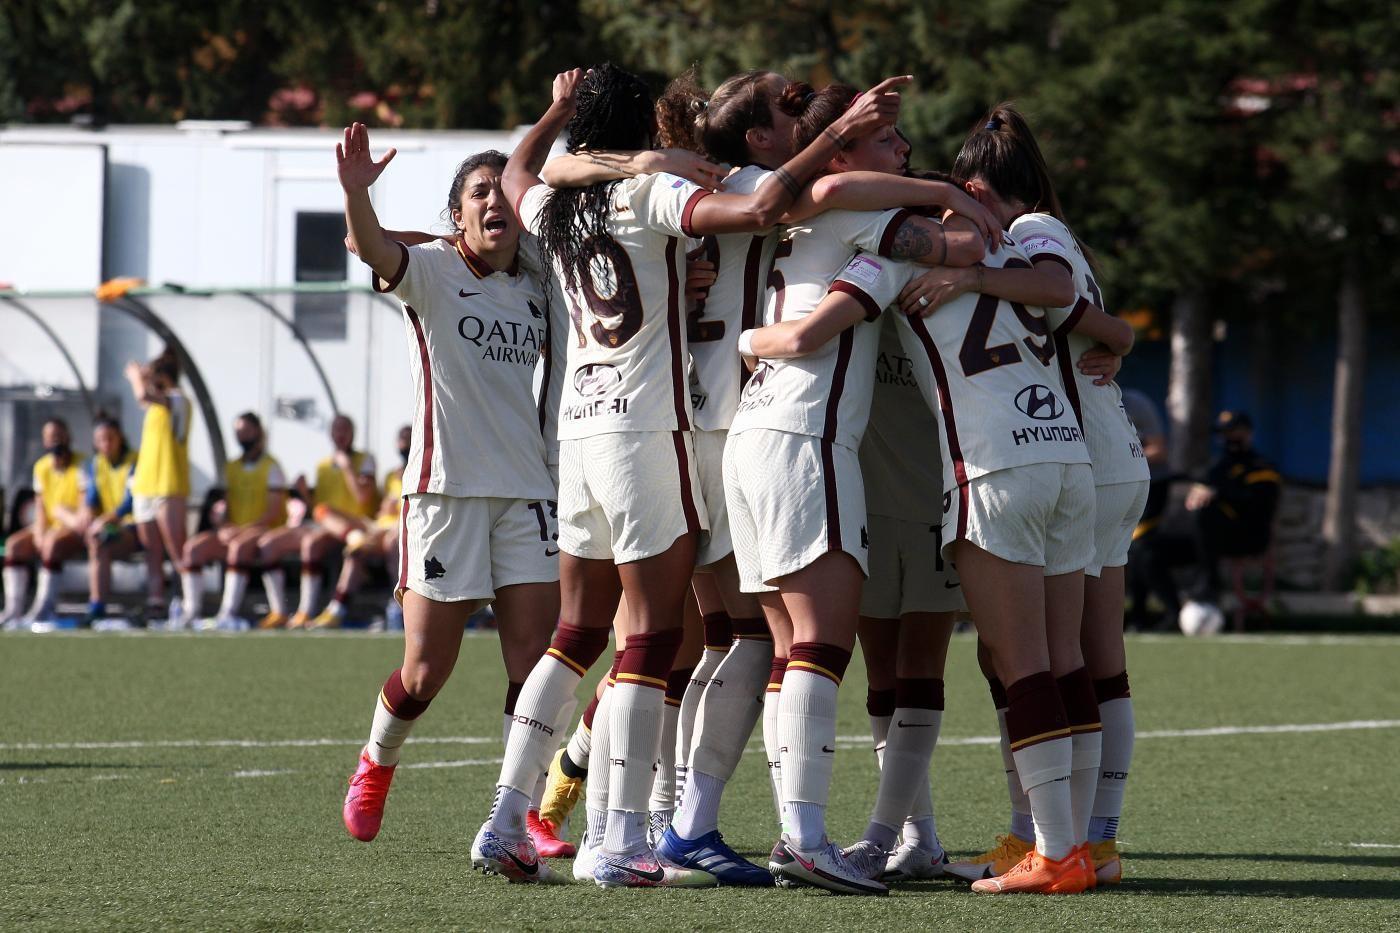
(141,386)
(1047,285)
(878,191)
(956,242)
(589,167)
(357,171)
(731,213)
(522,170)
(787,339)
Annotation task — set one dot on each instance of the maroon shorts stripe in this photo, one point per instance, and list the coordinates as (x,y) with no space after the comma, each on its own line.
(679,356)
(1112,688)
(425,471)
(1067,376)
(919,693)
(833,502)
(879,702)
(403,544)
(692,515)
(950,422)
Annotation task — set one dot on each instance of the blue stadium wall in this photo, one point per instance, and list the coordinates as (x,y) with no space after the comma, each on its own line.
(1287,389)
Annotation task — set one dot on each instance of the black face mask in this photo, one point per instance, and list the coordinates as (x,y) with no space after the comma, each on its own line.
(403,452)
(1236,446)
(59,451)
(248,446)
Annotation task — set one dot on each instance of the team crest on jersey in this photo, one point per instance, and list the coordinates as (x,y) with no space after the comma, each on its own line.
(596,379)
(1039,402)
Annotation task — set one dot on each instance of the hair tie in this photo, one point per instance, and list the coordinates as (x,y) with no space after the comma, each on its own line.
(808,97)
(993,124)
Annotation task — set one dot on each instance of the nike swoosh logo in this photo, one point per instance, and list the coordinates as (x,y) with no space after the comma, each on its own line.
(656,877)
(550,553)
(802,861)
(463,293)
(829,751)
(913,725)
(950,586)
(526,867)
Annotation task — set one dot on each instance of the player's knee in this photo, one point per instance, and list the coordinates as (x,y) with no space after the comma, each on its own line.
(424,679)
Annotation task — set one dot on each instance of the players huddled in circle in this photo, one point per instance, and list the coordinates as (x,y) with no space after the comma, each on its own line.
(734,384)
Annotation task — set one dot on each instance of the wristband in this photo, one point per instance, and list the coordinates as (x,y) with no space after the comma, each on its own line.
(746,344)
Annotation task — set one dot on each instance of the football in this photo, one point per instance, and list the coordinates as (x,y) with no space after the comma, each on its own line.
(1198,618)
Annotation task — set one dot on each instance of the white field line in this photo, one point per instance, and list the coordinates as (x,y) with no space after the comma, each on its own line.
(1379,639)
(1372,845)
(234,743)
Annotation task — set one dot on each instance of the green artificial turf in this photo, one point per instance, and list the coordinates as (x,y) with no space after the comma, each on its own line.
(1221,832)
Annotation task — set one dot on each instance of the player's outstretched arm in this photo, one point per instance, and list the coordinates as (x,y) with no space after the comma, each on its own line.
(879,191)
(788,339)
(357,171)
(750,213)
(522,171)
(590,167)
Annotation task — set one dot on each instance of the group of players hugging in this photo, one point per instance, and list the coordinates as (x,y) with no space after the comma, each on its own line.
(732,383)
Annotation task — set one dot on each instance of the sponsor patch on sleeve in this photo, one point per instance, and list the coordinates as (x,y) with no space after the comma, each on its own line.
(1043,244)
(864,270)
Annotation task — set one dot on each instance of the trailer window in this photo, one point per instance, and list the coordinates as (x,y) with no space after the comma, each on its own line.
(320,257)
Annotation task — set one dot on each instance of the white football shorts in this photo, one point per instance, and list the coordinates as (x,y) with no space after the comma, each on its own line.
(629,495)
(1118,508)
(709,463)
(907,570)
(454,549)
(1040,514)
(792,498)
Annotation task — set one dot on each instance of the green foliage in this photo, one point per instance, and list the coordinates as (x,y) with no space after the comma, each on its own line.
(1378,570)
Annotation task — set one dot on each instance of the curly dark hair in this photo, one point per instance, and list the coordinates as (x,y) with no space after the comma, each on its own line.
(615,110)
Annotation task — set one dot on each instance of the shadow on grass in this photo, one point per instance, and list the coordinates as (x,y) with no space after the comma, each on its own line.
(1374,861)
(1336,889)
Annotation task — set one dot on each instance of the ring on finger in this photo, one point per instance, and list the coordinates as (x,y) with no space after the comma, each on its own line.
(923,301)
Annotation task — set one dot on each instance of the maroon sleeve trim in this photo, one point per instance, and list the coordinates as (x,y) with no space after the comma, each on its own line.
(872,310)
(689,209)
(1070,322)
(891,229)
(397,277)
(1054,258)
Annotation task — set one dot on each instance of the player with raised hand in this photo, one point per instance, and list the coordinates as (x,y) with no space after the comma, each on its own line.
(630,519)
(1001,165)
(801,419)
(475,526)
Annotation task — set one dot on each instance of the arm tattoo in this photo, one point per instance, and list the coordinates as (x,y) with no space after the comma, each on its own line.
(787,181)
(911,241)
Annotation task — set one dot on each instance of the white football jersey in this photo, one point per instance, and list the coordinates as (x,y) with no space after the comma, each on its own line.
(827,392)
(474,336)
(733,305)
(1113,443)
(627,355)
(900,457)
(988,368)
(549,374)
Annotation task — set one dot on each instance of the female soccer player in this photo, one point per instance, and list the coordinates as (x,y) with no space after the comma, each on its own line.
(160,486)
(792,473)
(476,526)
(1001,165)
(54,536)
(629,516)
(255,502)
(109,531)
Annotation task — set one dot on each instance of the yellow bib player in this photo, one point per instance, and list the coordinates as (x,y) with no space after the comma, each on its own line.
(109,529)
(55,534)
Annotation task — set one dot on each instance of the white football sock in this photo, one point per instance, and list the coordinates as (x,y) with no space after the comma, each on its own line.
(690,707)
(386,735)
(1087,749)
(533,738)
(336,608)
(908,751)
(310,592)
(16,588)
(597,825)
(1045,770)
(597,787)
(192,591)
(507,815)
(580,747)
(235,585)
(1022,826)
(663,785)
(699,811)
(730,708)
(807,728)
(772,743)
(1118,733)
(43,592)
(275,587)
(634,733)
